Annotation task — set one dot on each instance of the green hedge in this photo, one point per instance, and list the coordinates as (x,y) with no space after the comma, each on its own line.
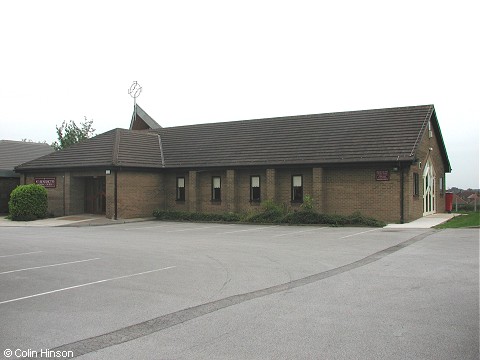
(190,216)
(273,215)
(28,202)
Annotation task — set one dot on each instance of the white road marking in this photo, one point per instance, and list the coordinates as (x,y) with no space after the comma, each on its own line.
(146,227)
(363,232)
(81,285)
(33,252)
(191,229)
(45,266)
(237,231)
(299,232)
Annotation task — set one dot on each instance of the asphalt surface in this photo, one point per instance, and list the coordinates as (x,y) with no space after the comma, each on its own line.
(160,290)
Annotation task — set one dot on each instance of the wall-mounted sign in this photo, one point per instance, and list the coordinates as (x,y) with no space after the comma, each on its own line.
(382,175)
(47,182)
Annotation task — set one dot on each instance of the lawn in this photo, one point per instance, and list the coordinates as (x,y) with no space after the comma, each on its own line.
(467,219)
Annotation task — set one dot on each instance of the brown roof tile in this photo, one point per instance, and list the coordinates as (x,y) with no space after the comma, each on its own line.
(346,137)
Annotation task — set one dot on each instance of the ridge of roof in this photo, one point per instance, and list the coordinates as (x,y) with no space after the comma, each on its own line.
(140,114)
(333,113)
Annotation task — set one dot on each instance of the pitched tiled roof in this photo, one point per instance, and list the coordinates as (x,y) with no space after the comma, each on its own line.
(117,147)
(347,137)
(13,153)
(356,136)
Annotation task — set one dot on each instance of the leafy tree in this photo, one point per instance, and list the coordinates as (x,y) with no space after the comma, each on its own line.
(69,133)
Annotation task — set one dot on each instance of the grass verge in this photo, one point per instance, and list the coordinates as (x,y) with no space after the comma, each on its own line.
(468,219)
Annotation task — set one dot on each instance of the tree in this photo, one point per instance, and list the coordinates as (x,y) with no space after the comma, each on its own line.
(69,133)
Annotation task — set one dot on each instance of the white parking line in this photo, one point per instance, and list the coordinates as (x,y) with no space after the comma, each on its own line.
(146,227)
(81,285)
(192,229)
(45,266)
(363,232)
(33,252)
(299,232)
(237,231)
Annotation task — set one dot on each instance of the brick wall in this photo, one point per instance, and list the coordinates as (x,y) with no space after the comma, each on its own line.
(350,189)
(55,198)
(414,204)
(139,193)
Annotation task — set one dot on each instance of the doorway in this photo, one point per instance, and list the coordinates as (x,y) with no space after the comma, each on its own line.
(95,189)
(429,206)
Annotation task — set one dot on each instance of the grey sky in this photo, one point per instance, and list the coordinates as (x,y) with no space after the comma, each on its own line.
(215,61)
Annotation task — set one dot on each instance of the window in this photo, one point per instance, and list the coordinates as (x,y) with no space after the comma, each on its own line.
(180,189)
(254,188)
(216,188)
(297,188)
(415,184)
(440,185)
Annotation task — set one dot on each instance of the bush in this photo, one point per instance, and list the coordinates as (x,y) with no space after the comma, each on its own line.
(28,202)
(191,216)
(273,214)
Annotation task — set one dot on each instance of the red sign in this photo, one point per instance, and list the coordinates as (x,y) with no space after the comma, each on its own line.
(382,175)
(50,182)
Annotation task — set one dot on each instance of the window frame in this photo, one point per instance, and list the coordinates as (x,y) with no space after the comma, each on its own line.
(180,195)
(416,184)
(216,197)
(295,199)
(257,199)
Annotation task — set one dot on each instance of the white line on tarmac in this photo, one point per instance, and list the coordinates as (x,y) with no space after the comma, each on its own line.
(81,285)
(146,227)
(191,229)
(237,231)
(299,232)
(45,266)
(363,232)
(33,252)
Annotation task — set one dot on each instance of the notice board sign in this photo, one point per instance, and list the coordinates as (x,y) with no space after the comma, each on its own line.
(382,175)
(47,182)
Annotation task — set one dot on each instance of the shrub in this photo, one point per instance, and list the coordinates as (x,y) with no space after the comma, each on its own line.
(191,216)
(307,204)
(28,202)
(272,214)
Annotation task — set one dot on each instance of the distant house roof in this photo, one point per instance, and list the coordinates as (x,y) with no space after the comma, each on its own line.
(381,135)
(14,153)
(141,120)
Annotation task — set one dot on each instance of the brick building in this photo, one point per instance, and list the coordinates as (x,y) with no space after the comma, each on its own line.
(14,153)
(386,163)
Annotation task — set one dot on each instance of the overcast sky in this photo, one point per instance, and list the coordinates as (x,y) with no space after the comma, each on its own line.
(210,61)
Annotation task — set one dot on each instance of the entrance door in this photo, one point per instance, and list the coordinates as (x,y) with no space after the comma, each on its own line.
(95,188)
(429,206)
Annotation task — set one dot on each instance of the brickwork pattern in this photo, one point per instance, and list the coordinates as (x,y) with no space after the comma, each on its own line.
(139,193)
(55,196)
(350,189)
(414,204)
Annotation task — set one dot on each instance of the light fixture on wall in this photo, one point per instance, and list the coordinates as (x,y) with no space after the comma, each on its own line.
(107,172)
